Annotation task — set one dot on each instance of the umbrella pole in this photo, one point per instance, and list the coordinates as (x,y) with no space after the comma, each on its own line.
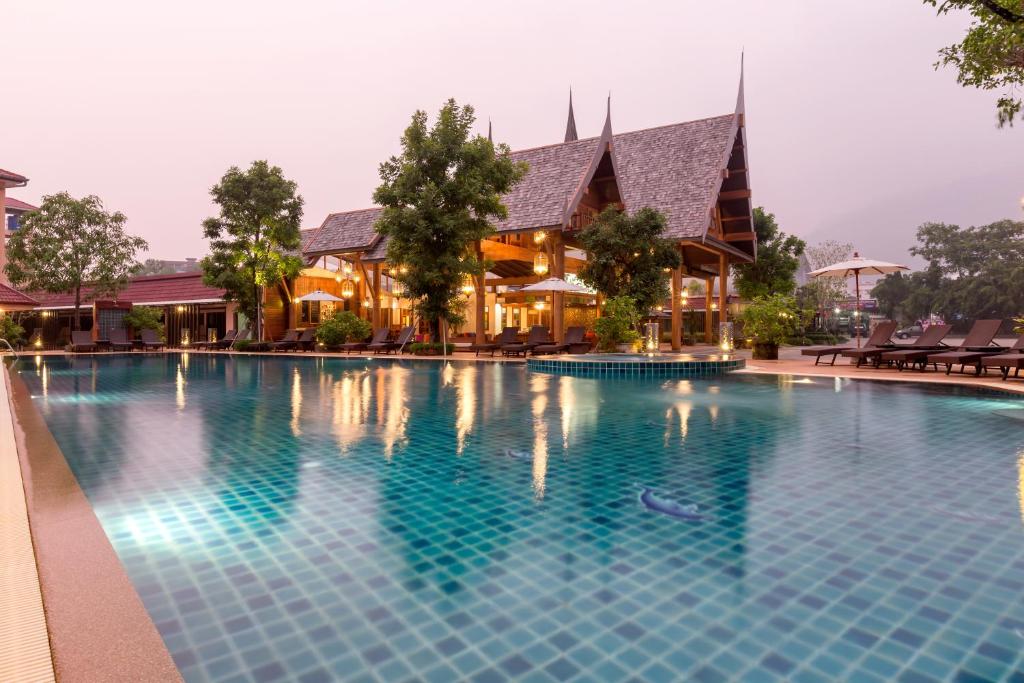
(856,280)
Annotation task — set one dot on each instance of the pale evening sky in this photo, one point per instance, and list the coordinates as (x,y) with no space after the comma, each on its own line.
(852,134)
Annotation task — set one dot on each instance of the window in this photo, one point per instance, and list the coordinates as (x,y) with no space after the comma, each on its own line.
(311,312)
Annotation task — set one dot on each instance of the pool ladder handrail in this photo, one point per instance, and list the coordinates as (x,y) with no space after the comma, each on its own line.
(8,345)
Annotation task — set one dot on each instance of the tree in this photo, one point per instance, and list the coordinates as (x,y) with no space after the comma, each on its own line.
(69,243)
(778,258)
(891,292)
(627,256)
(823,293)
(439,197)
(254,241)
(991,55)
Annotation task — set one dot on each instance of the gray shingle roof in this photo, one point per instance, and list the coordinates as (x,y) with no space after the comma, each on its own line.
(345,231)
(676,169)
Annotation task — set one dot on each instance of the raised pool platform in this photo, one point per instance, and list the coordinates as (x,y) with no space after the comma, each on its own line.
(636,365)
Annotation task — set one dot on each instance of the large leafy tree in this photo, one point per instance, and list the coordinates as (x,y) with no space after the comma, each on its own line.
(991,55)
(255,240)
(439,197)
(67,244)
(627,255)
(778,258)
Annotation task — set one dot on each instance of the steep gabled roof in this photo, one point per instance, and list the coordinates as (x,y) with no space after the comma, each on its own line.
(676,169)
(345,231)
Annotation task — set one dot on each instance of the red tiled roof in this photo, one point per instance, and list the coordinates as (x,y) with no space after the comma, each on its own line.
(18,205)
(9,296)
(12,177)
(149,289)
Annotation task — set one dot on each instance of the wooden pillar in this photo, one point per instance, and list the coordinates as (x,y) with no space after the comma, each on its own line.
(375,314)
(709,287)
(558,298)
(677,312)
(480,294)
(723,287)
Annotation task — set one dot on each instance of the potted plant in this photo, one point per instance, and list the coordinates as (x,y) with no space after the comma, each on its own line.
(616,328)
(342,327)
(770,320)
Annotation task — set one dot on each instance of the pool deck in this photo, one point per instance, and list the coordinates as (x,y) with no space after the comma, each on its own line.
(75,614)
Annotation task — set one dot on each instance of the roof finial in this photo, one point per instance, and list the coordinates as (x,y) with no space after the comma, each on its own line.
(740,104)
(490,135)
(570,125)
(608,117)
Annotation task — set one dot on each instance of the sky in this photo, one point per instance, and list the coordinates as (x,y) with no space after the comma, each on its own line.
(852,134)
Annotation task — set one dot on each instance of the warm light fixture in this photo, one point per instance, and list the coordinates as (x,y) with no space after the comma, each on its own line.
(337,277)
(467,286)
(397,289)
(539,237)
(540,263)
(539,304)
(685,296)
(346,267)
(714,306)
(394,304)
(366,302)
(181,309)
(347,289)
(356,277)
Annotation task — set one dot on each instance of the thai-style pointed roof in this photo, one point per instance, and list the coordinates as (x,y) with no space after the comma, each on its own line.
(345,231)
(570,124)
(490,132)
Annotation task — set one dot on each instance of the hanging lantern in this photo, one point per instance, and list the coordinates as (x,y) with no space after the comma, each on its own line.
(540,263)
(347,289)
(467,286)
(397,288)
(539,304)
(346,267)
(539,237)
(685,297)
(366,302)
(337,278)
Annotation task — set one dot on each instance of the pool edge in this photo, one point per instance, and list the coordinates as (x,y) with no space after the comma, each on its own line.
(99,628)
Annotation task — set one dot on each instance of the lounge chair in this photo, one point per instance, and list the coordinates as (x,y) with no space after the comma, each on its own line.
(307,340)
(243,336)
(917,353)
(928,341)
(379,337)
(285,343)
(538,336)
(221,343)
(119,341)
(881,337)
(388,346)
(151,340)
(573,343)
(81,342)
(976,345)
(509,335)
(1007,361)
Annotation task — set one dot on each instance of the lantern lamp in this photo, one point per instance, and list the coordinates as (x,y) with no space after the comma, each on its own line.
(467,286)
(347,289)
(539,304)
(397,288)
(540,263)
(539,237)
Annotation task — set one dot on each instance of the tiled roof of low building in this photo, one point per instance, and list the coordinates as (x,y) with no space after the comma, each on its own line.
(9,296)
(18,205)
(149,289)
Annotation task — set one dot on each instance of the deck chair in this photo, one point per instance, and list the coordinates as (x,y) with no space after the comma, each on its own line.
(379,337)
(929,341)
(306,340)
(1013,360)
(151,340)
(976,345)
(221,343)
(573,340)
(508,336)
(81,341)
(388,346)
(285,343)
(917,353)
(881,337)
(119,341)
(538,336)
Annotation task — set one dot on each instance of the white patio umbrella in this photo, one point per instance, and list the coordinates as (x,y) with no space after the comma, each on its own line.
(555,284)
(318,295)
(855,267)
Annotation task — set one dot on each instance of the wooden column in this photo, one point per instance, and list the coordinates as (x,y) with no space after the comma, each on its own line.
(723,287)
(558,298)
(375,313)
(677,312)
(709,287)
(480,292)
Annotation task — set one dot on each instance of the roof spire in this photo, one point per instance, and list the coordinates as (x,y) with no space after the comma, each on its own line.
(490,135)
(740,104)
(570,125)
(608,117)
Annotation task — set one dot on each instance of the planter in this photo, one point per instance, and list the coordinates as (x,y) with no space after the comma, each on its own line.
(766,351)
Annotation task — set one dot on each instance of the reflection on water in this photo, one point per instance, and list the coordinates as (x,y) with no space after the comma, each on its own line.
(465,412)
(538,386)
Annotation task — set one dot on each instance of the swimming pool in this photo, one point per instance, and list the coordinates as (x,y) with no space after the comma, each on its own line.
(330,519)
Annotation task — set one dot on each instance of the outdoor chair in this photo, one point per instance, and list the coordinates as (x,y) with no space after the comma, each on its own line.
(379,337)
(81,341)
(388,346)
(119,341)
(976,345)
(881,337)
(508,336)
(285,343)
(306,340)
(573,343)
(929,341)
(151,340)
(1007,361)
(243,336)
(538,336)
(223,342)
(918,352)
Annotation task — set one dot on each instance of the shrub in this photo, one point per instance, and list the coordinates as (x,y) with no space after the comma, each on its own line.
(430,348)
(11,331)
(771,319)
(342,327)
(144,318)
(243,345)
(617,324)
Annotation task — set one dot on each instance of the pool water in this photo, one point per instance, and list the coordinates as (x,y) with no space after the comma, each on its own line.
(313,520)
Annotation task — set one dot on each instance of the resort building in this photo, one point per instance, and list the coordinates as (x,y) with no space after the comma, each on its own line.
(11,214)
(695,172)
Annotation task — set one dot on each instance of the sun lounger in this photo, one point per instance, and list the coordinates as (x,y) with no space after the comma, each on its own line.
(221,343)
(81,341)
(388,346)
(151,340)
(306,340)
(975,346)
(285,343)
(881,337)
(1006,361)
(918,352)
(508,336)
(379,337)
(573,343)
(119,341)
(243,336)
(928,341)
(538,336)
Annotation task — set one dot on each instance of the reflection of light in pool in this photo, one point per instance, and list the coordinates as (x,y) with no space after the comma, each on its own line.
(296,402)
(465,407)
(1020,484)
(803,380)
(539,385)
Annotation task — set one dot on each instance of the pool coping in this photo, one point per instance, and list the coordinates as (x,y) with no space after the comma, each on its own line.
(99,629)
